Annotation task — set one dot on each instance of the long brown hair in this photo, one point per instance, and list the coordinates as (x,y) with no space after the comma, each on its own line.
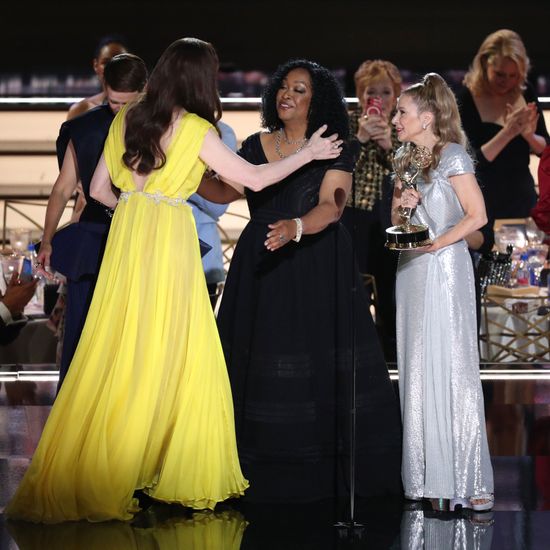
(432,94)
(185,77)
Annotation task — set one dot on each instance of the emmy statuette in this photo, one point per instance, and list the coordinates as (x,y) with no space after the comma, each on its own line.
(408,236)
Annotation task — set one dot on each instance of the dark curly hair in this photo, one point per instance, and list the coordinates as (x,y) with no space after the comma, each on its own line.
(327,106)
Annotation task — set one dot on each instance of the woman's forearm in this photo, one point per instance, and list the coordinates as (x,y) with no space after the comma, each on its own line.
(536,143)
(467,225)
(258,177)
(233,168)
(105,196)
(217,191)
(56,206)
(496,144)
(320,217)
(101,185)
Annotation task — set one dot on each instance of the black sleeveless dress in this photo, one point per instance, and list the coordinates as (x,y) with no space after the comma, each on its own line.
(506,183)
(285,323)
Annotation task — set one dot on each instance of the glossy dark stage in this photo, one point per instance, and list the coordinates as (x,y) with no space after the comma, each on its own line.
(517,399)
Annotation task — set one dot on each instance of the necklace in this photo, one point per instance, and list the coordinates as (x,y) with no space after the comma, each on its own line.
(290,141)
(280,133)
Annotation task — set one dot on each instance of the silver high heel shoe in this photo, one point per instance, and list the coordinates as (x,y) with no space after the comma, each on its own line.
(482,503)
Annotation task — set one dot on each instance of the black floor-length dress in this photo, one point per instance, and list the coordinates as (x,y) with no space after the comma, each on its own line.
(285,325)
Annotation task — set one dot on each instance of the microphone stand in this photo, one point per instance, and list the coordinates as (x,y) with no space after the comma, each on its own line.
(350,529)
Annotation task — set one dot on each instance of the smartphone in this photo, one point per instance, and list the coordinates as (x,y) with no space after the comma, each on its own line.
(374,106)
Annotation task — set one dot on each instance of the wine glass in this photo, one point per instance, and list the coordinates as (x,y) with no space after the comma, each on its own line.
(508,234)
(534,235)
(19,239)
(11,264)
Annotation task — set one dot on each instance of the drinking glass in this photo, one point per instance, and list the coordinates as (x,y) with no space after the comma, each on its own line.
(19,239)
(11,264)
(537,260)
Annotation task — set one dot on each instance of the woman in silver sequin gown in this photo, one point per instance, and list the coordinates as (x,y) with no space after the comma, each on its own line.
(445,451)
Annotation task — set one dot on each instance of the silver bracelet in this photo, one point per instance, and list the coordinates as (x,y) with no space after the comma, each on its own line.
(299,229)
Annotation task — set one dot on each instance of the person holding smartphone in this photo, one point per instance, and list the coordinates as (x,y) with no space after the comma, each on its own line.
(367,214)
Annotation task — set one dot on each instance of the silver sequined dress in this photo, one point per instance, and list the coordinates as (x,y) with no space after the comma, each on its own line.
(445,451)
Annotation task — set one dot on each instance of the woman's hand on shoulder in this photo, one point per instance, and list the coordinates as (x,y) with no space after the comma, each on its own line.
(322,148)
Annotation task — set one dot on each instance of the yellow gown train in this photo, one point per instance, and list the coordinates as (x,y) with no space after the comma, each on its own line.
(146,403)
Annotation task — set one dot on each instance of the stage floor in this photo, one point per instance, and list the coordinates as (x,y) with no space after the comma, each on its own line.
(518,422)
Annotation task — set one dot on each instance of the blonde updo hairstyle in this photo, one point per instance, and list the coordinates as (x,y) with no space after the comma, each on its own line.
(371,70)
(502,44)
(433,95)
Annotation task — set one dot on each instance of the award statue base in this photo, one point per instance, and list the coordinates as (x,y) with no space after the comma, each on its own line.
(407,237)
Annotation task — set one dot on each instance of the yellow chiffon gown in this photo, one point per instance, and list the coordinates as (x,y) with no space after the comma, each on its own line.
(146,403)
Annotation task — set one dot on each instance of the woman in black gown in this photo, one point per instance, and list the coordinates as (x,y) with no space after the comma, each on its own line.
(504,124)
(290,357)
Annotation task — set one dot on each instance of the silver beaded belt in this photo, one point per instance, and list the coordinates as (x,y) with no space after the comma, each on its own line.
(157,197)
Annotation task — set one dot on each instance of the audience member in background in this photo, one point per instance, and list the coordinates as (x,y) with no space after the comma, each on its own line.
(107,48)
(76,251)
(12,304)
(503,123)
(367,213)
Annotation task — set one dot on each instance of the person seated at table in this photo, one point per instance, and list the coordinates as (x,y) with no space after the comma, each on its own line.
(12,304)
(76,252)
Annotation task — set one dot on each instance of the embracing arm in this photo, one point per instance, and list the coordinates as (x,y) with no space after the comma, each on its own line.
(233,168)
(333,195)
(64,187)
(215,190)
(471,200)
(100,187)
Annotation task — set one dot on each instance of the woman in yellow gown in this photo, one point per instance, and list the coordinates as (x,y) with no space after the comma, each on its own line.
(146,403)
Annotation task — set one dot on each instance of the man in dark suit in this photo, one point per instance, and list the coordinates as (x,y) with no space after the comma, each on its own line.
(76,251)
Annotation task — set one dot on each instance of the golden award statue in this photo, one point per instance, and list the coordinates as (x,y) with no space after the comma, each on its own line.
(407,235)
